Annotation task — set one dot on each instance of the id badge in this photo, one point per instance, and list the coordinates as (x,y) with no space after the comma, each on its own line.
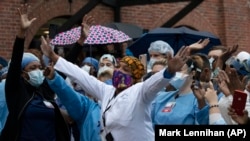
(168,107)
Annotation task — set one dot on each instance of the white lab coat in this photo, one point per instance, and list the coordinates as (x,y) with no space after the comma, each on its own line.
(128,118)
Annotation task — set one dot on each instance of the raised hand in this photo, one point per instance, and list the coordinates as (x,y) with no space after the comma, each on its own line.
(199,44)
(47,50)
(23,12)
(211,96)
(235,82)
(87,22)
(199,90)
(177,62)
(237,118)
(49,71)
(224,82)
(219,62)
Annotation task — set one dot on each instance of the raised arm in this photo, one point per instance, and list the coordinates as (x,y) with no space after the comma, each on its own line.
(14,72)
(87,22)
(215,116)
(153,85)
(90,84)
(76,104)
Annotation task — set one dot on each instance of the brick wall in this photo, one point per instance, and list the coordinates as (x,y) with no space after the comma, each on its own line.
(228,19)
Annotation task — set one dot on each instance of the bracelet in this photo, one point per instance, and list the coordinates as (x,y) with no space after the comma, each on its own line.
(212,106)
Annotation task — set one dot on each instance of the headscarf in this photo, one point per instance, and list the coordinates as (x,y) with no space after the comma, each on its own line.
(91,61)
(28,58)
(136,67)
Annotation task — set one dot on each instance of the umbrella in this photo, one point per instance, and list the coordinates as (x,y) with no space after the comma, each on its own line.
(175,37)
(97,35)
(131,30)
(105,35)
(67,37)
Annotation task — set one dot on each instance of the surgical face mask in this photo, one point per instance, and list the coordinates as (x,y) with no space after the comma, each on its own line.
(151,62)
(103,69)
(178,80)
(86,68)
(36,77)
(121,80)
(211,60)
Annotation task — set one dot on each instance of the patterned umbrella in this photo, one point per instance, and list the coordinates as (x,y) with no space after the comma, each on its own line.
(68,37)
(97,35)
(104,35)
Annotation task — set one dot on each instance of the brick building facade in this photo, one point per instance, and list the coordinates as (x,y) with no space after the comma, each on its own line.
(227,19)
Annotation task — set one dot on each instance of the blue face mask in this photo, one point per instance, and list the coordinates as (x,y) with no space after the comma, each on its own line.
(178,80)
(36,77)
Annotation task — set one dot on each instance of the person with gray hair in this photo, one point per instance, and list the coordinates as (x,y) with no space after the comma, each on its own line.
(159,50)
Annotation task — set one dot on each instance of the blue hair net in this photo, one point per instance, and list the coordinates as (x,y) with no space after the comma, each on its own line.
(28,58)
(92,61)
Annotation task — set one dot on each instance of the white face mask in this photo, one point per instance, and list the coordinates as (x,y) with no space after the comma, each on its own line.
(178,80)
(36,77)
(211,60)
(86,68)
(105,68)
(151,62)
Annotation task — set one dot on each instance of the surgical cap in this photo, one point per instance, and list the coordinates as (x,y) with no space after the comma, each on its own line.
(240,68)
(161,47)
(109,57)
(28,58)
(243,55)
(247,65)
(91,61)
(135,65)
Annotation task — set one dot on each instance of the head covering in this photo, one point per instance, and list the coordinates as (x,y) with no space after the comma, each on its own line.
(28,58)
(161,47)
(135,65)
(235,63)
(3,62)
(243,55)
(91,61)
(247,65)
(109,57)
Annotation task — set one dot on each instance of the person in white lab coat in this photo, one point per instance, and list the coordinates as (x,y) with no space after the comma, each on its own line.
(125,105)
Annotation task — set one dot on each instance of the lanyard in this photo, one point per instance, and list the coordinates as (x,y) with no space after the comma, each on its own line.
(106,109)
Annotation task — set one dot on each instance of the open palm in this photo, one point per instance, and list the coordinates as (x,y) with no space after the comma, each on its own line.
(23,12)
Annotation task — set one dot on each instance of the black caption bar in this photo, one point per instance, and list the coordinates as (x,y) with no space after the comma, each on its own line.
(228,132)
